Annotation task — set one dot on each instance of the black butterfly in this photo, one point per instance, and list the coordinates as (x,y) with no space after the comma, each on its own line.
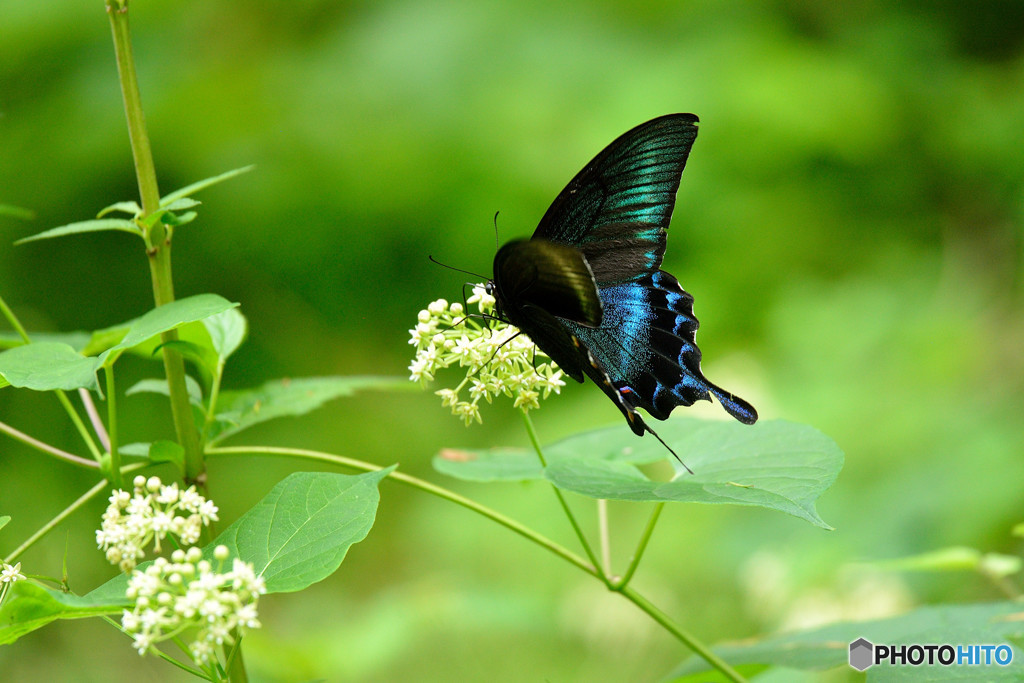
(587,287)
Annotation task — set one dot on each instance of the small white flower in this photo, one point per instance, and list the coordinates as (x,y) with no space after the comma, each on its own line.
(148,515)
(190,599)
(498,359)
(11,573)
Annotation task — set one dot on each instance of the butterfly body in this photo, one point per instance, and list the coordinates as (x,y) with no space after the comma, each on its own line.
(588,289)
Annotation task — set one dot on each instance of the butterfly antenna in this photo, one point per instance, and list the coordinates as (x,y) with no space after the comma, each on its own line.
(459,270)
(655,434)
(496,244)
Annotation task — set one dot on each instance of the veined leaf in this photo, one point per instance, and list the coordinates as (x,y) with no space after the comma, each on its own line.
(96,225)
(227,331)
(29,607)
(76,340)
(45,366)
(167,317)
(774,464)
(238,410)
(181,204)
(522,464)
(301,531)
(131,208)
(167,200)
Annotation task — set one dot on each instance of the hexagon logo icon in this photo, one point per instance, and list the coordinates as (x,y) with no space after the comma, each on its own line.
(862,654)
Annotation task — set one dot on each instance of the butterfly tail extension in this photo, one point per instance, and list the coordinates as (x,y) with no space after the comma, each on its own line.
(734,405)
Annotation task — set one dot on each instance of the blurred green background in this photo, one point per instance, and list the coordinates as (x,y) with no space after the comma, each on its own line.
(850,224)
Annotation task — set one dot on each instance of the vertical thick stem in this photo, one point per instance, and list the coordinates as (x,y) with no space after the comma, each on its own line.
(157,238)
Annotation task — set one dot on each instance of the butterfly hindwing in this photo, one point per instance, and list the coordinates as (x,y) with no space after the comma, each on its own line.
(646,345)
(617,209)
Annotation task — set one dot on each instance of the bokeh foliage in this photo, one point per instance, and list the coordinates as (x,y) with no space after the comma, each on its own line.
(850,224)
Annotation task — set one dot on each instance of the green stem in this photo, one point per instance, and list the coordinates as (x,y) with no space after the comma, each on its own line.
(115,454)
(422,485)
(76,419)
(235,662)
(641,547)
(13,320)
(211,410)
(602,532)
(94,417)
(47,448)
(157,238)
(561,499)
(64,514)
(699,648)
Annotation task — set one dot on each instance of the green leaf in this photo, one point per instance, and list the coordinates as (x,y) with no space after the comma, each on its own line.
(203,356)
(169,199)
(301,531)
(167,451)
(45,366)
(167,317)
(827,647)
(774,464)
(159,386)
(239,410)
(131,208)
(29,607)
(493,464)
(181,204)
(173,219)
(506,464)
(135,449)
(17,212)
(4,519)
(76,340)
(97,225)
(955,558)
(101,340)
(227,331)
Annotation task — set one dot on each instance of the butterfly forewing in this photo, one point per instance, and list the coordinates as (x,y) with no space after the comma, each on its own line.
(551,276)
(616,210)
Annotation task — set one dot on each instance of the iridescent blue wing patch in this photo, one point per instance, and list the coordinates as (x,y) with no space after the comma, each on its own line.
(646,345)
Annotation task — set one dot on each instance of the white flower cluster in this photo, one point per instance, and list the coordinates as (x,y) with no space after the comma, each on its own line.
(498,358)
(184,593)
(9,575)
(154,511)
